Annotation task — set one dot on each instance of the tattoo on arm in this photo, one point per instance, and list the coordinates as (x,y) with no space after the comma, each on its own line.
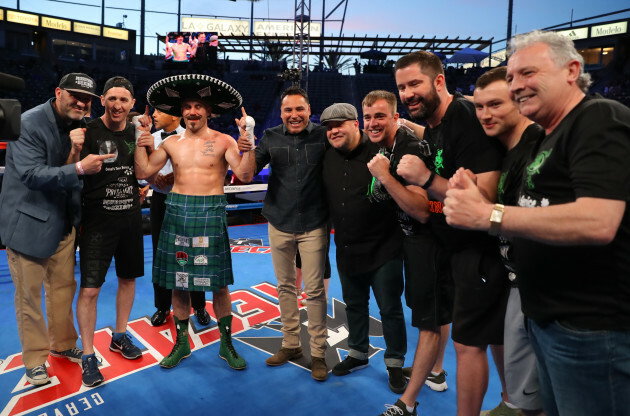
(208,149)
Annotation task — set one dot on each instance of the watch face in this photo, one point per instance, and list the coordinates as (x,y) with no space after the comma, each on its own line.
(496,215)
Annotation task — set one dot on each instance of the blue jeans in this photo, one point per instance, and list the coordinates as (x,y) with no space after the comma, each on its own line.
(387,284)
(582,372)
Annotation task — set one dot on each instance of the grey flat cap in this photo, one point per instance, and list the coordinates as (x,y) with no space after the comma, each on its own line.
(339,112)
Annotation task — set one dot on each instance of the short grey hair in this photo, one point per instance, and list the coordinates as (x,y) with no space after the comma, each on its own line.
(562,50)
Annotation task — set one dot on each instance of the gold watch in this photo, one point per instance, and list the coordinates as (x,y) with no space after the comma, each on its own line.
(495,219)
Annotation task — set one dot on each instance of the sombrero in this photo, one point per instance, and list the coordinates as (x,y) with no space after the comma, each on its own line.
(167,94)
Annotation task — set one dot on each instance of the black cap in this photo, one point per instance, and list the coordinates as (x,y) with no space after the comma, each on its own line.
(79,82)
(121,82)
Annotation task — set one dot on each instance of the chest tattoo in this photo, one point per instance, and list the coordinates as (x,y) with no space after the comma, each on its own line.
(208,149)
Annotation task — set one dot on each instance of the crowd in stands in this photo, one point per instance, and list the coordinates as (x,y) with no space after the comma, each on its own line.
(258,84)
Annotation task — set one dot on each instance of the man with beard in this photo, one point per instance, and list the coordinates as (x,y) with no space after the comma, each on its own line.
(194,251)
(167,125)
(39,210)
(457,140)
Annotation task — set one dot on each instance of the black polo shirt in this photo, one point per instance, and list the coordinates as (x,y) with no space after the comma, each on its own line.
(295,200)
(366,233)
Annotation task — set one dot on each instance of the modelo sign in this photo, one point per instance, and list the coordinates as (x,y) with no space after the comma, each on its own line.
(609,29)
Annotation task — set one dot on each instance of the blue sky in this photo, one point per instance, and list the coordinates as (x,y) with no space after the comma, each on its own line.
(463,18)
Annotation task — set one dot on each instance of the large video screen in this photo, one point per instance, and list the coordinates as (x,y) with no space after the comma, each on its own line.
(196,47)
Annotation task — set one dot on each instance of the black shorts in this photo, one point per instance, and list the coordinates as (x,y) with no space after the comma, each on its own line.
(429,287)
(481,293)
(107,236)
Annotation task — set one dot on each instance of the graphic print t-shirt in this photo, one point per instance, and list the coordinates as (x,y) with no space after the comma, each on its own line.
(405,144)
(585,156)
(115,188)
(459,141)
(510,181)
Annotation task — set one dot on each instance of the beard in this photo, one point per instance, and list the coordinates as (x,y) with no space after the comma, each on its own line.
(428,105)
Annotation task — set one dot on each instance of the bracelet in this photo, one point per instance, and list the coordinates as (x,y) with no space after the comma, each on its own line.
(80,170)
(429,181)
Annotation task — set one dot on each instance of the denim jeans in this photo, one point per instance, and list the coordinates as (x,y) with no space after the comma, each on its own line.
(582,372)
(387,284)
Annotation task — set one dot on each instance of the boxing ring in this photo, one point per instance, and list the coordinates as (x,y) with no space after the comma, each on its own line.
(203,381)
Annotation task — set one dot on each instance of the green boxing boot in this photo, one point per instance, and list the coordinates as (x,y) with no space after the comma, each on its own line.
(227,351)
(181,349)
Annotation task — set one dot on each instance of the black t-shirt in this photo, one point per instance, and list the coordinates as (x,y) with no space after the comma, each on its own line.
(115,188)
(404,144)
(459,141)
(366,233)
(510,182)
(586,155)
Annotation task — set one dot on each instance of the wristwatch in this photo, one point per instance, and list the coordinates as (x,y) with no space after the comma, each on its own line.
(495,219)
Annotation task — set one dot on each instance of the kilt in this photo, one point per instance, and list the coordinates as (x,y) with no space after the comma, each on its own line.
(194,250)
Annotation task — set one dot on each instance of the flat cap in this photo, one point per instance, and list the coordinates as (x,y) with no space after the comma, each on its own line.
(339,112)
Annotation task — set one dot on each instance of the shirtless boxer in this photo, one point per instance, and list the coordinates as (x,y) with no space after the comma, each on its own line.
(194,252)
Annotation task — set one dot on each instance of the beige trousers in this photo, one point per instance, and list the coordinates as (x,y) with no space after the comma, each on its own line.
(312,245)
(57,275)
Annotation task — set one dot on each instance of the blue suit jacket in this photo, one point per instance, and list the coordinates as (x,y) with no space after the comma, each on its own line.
(38,190)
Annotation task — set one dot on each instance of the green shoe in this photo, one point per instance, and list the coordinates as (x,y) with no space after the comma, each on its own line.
(226,350)
(181,349)
(501,410)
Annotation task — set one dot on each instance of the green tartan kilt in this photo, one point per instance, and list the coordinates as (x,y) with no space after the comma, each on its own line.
(194,250)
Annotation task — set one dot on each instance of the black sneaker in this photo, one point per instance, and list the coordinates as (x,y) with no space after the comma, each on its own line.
(397,382)
(159,317)
(399,409)
(126,348)
(349,365)
(203,317)
(73,354)
(91,374)
(437,383)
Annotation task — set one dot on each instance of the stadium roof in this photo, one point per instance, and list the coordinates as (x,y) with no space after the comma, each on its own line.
(353,45)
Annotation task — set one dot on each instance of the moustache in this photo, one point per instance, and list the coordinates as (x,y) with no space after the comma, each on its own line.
(415,100)
(193,118)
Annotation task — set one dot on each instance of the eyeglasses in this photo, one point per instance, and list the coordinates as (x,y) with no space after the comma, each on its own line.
(84,98)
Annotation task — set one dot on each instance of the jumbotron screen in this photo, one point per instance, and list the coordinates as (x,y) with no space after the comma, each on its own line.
(197,47)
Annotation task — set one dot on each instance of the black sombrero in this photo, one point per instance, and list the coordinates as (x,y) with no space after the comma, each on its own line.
(167,94)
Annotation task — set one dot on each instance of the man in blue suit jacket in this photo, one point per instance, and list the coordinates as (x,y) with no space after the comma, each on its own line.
(39,207)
